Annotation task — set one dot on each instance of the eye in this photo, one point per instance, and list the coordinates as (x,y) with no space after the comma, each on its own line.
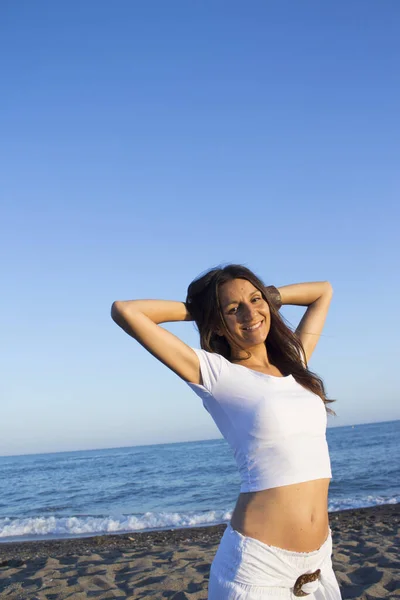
(256,298)
(232,311)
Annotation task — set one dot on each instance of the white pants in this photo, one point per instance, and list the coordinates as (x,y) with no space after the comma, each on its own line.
(246,569)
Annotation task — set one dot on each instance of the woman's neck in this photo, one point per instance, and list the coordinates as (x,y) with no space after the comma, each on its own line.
(259,356)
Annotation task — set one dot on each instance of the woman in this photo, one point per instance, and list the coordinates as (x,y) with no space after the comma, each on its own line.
(253,378)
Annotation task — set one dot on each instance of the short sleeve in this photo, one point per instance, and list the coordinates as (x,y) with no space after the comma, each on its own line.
(210,369)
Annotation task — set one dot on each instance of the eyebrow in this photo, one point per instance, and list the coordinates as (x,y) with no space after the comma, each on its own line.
(236,302)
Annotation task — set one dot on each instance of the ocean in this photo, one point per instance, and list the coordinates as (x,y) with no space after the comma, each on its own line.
(170,486)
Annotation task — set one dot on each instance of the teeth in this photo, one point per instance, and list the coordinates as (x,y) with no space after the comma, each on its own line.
(253,327)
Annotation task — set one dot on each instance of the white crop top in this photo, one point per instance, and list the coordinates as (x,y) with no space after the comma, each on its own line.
(275,427)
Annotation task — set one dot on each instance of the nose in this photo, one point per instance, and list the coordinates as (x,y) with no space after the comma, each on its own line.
(249,312)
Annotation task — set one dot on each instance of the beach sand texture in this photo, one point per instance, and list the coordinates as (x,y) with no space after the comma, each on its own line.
(175,564)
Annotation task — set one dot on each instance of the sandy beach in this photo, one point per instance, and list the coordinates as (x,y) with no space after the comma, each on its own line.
(175,564)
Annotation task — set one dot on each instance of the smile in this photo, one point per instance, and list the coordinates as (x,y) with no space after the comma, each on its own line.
(253,327)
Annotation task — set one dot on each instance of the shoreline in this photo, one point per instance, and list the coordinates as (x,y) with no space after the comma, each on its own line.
(175,563)
(142,539)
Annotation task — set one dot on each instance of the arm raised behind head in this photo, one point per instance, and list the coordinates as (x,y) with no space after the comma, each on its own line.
(317,296)
(141,318)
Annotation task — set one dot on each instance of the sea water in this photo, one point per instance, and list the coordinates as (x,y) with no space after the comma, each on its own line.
(169,486)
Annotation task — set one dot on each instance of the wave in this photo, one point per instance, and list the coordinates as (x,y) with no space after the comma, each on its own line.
(45,527)
(362,502)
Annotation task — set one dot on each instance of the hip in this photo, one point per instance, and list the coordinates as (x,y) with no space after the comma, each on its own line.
(245,568)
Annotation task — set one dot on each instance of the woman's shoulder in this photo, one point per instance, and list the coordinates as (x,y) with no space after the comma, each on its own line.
(212,366)
(212,356)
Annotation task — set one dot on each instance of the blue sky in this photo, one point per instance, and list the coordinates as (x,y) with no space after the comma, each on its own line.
(143,143)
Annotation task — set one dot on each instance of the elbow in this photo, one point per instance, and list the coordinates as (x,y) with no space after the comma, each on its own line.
(329,288)
(116,310)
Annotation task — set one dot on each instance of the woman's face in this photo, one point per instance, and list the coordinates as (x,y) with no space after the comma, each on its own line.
(246,313)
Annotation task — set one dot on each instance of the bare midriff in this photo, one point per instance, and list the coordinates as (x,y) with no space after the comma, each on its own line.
(293,517)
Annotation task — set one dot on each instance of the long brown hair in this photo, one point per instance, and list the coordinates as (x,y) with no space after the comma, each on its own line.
(284,348)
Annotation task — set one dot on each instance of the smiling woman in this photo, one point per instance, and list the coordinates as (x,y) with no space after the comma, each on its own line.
(225,302)
(247,318)
(252,375)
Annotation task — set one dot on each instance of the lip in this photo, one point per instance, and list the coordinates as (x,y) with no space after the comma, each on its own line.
(255,327)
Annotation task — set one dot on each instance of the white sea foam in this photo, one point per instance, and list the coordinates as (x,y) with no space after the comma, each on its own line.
(45,527)
(42,527)
(362,502)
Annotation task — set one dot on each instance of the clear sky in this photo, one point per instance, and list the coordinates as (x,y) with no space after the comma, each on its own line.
(145,142)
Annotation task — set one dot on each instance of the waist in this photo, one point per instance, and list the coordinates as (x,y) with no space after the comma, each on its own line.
(294,517)
(276,570)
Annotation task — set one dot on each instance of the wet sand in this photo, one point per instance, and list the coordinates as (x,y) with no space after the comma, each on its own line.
(175,564)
